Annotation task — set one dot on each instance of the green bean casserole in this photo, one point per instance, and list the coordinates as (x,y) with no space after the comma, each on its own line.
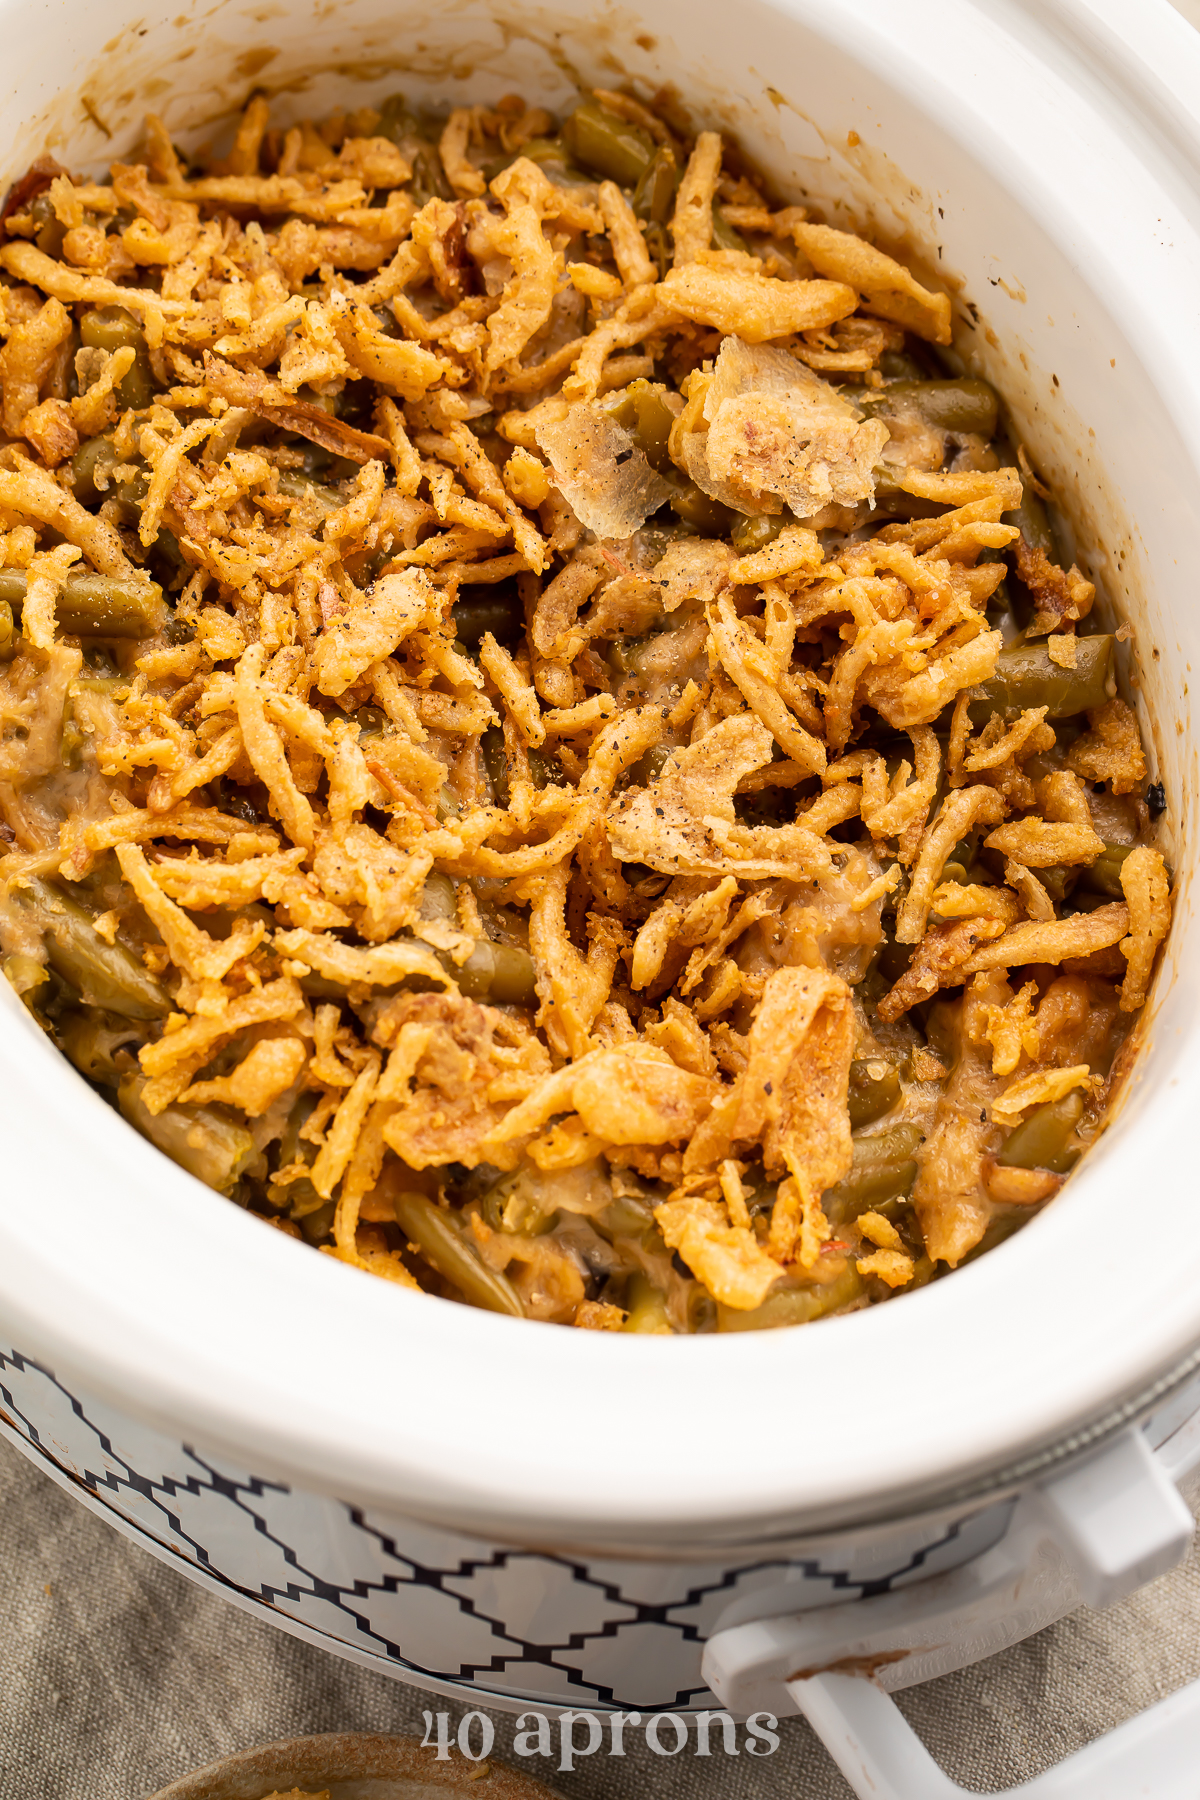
(548,745)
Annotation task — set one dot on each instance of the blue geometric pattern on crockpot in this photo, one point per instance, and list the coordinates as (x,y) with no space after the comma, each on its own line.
(436,1605)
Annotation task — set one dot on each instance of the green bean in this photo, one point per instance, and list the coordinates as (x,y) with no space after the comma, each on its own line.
(443,1246)
(328,403)
(627,1216)
(883,1169)
(874,1090)
(631,656)
(885,1146)
(1025,677)
(654,196)
(92,465)
(438,899)
(166,548)
(448,804)
(548,153)
(396,119)
(135,390)
(1004,1223)
(867,1189)
(91,1041)
(8,632)
(179,631)
(110,606)
(892,960)
(1082,901)
(646,882)
(317,1224)
(94,456)
(429,178)
(999,600)
(966,849)
(701,1309)
(751,534)
(1059,880)
(13,586)
(892,501)
(372,722)
(303,1199)
(1104,875)
(25,974)
(221,920)
(292,1147)
(528,1214)
(51,231)
(608,145)
(697,508)
(643,411)
(542,151)
(654,421)
(133,490)
(96,605)
(545,770)
(724,235)
(619,406)
(502,973)
(495,1199)
(960,405)
(794,1305)
(299,487)
(646,1308)
(497,610)
(112,328)
(1034,525)
(898,365)
(650,765)
(1042,1141)
(105,975)
(658,244)
(1009,608)
(1038,534)
(201,1140)
(496,763)
(299,1197)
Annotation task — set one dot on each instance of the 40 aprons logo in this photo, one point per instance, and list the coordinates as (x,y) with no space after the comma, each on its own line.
(575,1734)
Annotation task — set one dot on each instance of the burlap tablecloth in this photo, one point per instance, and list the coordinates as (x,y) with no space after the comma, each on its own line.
(117,1675)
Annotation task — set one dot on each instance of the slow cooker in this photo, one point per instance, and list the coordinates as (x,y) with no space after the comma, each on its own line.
(528,1514)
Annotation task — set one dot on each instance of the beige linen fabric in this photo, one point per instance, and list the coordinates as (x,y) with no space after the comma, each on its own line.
(117,1675)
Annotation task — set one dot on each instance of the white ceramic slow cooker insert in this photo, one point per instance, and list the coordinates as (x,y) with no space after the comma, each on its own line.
(1049,172)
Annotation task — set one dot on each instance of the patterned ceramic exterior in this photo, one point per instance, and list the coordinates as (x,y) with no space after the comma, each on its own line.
(440,1610)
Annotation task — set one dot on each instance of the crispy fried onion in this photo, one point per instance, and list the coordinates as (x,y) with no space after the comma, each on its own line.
(684,822)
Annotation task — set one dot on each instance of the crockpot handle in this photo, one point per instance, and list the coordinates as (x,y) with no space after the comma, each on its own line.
(1093,1533)
(1155,1754)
